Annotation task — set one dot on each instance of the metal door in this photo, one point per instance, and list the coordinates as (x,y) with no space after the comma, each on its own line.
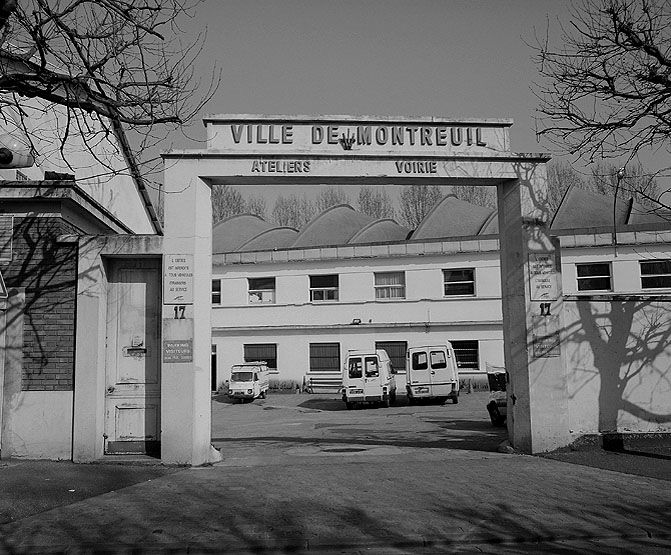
(132,394)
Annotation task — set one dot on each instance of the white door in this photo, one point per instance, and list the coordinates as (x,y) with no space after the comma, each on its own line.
(132,395)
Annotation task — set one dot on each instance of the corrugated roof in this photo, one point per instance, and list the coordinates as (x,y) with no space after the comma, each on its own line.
(380,231)
(275,238)
(335,226)
(452,217)
(234,231)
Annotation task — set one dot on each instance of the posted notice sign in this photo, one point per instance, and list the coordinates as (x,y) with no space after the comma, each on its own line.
(178,279)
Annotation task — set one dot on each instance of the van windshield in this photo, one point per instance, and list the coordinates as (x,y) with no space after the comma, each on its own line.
(242,377)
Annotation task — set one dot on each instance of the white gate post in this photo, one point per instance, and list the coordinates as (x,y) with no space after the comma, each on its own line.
(186,342)
(533,319)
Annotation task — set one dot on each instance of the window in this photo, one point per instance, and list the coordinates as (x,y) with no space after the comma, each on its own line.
(419,361)
(390,285)
(438,360)
(325,357)
(262,351)
(396,350)
(656,274)
(594,277)
(324,288)
(355,367)
(261,290)
(372,367)
(467,354)
(216,291)
(459,281)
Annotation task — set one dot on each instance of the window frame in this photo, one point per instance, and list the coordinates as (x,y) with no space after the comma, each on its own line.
(326,291)
(581,280)
(270,361)
(379,288)
(458,283)
(463,351)
(655,275)
(216,292)
(260,291)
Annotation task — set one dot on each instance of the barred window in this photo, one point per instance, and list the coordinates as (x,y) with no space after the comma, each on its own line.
(325,357)
(459,281)
(396,350)
(390,285)
(256,352)
(655,274)
(467,354)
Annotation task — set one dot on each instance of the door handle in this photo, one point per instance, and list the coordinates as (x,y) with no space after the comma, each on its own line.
(110,389)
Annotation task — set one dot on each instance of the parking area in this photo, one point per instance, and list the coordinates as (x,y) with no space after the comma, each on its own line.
(318,424)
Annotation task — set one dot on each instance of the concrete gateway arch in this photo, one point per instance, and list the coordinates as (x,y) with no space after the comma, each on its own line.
(322,150)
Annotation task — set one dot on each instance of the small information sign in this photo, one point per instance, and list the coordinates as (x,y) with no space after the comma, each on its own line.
(178,279)
(178,350)
(543,277)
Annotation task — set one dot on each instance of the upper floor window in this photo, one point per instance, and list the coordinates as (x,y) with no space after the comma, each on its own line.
(594,277)
(459,281)
(390,285)
(655,274)
(261,290)
(324,288)
(216,291)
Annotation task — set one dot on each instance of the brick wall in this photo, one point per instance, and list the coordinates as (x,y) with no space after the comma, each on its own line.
(48,272)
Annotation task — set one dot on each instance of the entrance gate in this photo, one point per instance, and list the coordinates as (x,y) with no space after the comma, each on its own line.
(341,150)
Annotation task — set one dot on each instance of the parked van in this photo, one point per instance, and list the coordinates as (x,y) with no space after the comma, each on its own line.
(249,380)
(431,373)
(368,378)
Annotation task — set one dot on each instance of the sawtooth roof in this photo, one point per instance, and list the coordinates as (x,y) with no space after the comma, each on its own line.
(452,217)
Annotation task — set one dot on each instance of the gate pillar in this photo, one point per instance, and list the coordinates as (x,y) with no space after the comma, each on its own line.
(533,318)
(186,341)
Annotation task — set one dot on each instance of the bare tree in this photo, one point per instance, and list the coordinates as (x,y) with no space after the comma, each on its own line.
(256,205)
(604,92)
(118,67)
(292,211)
(330,196)
(376,202)
(631,181)
(226,201)
(482,196)
(416,201)
(561,176)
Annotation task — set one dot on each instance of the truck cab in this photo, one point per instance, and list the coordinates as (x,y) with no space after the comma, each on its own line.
(368,377)
(249,380)
(431,373)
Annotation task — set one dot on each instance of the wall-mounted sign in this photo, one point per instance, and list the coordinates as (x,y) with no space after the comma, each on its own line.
(543,277)
(178,279)
(177,350)
(271,134)
(545,336)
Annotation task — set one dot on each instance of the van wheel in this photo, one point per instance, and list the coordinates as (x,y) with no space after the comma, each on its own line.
(262,395)
(455,399)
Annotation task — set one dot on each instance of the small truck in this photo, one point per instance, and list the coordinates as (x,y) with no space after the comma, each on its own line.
(249,381)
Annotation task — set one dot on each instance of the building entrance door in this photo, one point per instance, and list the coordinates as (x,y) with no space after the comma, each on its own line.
(133,394)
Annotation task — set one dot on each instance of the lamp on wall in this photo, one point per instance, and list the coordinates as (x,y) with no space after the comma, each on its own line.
(15,153)
(356,321)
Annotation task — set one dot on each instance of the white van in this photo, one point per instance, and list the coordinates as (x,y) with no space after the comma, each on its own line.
(368,378)
(249,380)
(431,373)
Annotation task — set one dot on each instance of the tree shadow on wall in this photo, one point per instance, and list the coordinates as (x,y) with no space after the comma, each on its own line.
(622,347)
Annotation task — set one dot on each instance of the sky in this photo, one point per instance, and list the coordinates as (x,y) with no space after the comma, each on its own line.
(453,58)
